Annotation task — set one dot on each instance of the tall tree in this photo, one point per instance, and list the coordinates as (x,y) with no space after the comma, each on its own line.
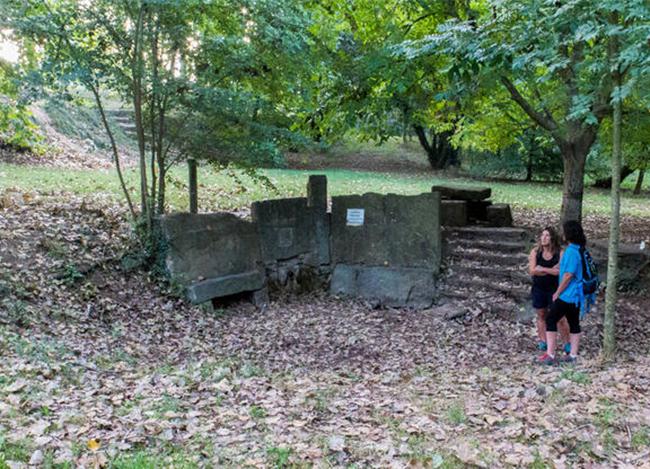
(551,57)
(365,88)
(191,71)
(627,36)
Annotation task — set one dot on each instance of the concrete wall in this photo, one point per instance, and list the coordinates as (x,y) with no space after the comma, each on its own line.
(212,255)
(390,258)
(294,237)
(393,255)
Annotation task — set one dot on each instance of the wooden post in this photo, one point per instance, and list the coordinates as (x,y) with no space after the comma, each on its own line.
(194,195)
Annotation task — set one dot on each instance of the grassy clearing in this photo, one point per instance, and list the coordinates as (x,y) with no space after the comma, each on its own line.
(232,190)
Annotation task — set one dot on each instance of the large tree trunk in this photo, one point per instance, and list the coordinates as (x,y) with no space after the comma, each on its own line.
(574,155)
(573,188)
(606,183)
(440,152)
(639,182)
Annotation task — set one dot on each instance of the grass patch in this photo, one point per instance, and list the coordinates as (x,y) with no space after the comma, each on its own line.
(641,438)
(257,413)
(455,414)
(539,462)
(320,399)
(250,370)
(167,403)
(173,457)
(278,457)
(219,191)
(18,451)
(579,377)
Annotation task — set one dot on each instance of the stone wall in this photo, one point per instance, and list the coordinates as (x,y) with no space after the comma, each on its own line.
(390,257)
(294,238)
(212,255)
(386,248)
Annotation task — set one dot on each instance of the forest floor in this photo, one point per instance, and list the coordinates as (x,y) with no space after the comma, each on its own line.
(102,366)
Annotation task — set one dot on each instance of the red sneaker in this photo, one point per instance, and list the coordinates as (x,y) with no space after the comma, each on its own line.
(546,359)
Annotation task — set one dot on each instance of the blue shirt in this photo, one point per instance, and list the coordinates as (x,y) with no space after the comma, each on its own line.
(572,263)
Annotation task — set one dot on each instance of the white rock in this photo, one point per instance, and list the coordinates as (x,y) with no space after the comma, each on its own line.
(337,443)
(37,458)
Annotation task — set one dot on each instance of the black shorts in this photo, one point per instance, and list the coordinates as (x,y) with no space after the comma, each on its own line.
(542,299)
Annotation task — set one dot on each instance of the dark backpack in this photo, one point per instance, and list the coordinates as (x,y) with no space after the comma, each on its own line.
(590,279)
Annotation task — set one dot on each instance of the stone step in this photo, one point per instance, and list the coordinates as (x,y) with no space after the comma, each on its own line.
(483,272)
(488,233)
(472,288)
(116,113)
(482,257)
(123,120)
(457,244)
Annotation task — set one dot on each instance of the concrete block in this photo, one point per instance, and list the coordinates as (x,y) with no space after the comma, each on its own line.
(202,246)
(396,287)
(286,228)
(359,244)
(317,192)
(397,230)
(463,193)
(477,209)
(453,213)
(499,215)
(205,290)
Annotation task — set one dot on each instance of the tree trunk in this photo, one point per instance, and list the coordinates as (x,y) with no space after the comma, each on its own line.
(609,337)
(606,183)
(531,157)
(116,154)
(609,340)
(139,122)
(440,153)
(573,188)
(639,182)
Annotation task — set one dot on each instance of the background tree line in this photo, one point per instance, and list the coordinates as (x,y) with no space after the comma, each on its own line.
(507,88)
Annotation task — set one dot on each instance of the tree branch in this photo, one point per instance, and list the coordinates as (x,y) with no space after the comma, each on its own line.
(544,121)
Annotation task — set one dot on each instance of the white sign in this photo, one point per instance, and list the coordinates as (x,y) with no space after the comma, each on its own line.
(355,216)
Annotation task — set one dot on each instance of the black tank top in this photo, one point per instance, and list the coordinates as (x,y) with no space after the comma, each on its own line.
(546,282)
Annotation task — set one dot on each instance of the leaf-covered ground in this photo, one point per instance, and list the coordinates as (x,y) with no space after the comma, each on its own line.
(101,366)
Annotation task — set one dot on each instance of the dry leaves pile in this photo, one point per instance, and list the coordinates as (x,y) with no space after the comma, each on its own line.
(99,363)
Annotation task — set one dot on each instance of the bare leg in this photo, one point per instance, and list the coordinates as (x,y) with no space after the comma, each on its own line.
(575,343)
(541,324)
(550,342)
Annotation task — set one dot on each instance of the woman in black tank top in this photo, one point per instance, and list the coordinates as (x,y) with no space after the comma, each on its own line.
(543,266)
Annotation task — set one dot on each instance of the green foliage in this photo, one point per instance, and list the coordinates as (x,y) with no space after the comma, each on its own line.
(533,156)
(641,438)
(19,451)
(456,413)
(16,312)
(278,457)
(579,377)
(70,274)
(16,126)
(361,87)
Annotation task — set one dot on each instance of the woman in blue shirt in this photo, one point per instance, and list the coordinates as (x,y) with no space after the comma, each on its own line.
(568,296)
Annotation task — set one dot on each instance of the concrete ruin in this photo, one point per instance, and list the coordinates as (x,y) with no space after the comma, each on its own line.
(463,206)
(383,248)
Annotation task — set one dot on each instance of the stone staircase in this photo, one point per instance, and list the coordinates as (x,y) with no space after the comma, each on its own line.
(124,119)
(486,269)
